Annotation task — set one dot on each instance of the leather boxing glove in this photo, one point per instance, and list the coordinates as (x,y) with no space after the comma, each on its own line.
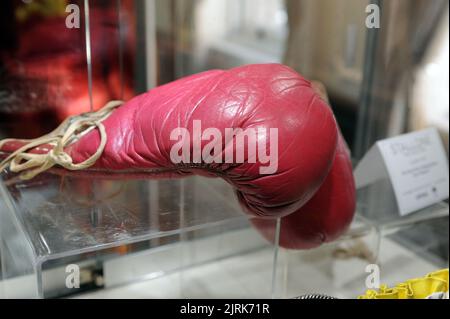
(139,144)
(328,214)
(325,216)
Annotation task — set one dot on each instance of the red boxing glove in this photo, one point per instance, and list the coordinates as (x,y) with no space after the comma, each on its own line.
(254,96)
(325,216)
(140,144)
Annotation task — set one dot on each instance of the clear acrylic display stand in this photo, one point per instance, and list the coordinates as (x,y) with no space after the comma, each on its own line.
(190,238)
(51,222)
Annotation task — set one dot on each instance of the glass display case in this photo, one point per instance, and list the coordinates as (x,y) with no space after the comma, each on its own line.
(189,238)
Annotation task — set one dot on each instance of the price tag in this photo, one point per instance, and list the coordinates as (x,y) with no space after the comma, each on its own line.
(416,165)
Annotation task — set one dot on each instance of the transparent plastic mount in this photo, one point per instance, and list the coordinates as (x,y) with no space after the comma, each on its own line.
(132,231)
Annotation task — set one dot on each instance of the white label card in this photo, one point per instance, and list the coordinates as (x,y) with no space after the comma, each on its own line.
(416,164)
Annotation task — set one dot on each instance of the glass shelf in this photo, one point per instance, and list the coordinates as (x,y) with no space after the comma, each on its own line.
(52,221)
(138,230)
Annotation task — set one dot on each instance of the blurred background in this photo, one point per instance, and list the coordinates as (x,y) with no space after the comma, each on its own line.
(381,82)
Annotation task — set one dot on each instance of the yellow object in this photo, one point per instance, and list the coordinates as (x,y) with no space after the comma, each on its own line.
(45,8)
(418,288)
